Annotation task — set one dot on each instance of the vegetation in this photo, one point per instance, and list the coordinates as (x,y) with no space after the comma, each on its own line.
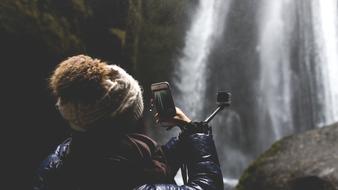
(249,174)
(143,36)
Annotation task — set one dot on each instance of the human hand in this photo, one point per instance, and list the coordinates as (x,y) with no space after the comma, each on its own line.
(179,119)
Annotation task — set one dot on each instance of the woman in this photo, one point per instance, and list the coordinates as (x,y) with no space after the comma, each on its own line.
(103,105)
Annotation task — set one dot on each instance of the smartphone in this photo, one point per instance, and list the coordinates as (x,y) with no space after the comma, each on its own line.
(163,100)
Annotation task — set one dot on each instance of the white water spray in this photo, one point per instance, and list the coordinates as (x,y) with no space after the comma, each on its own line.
(192,71)
(275,74)
(325,26)
(276,77)
(292,62)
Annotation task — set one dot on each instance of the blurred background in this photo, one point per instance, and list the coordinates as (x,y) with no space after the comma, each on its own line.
(277,58)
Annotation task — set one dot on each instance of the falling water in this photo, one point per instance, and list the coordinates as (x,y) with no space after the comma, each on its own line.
(277,80)
(192,70)
(274,94)
(325,28)
(286,77)
(281,64)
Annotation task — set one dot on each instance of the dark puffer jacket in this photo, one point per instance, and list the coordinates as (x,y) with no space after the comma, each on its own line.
(79,164)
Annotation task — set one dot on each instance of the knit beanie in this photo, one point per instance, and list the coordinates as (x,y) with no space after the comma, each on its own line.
(89,90)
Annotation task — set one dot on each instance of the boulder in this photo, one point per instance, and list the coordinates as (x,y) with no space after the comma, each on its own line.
(307,161)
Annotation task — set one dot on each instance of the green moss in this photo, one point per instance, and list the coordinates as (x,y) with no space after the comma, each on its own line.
(80,7)
(150,31)
(250,176)
(134,24)
(40,21)
(121,34)
(161,38)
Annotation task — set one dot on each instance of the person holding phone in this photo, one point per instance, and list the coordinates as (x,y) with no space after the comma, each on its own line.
(103,105)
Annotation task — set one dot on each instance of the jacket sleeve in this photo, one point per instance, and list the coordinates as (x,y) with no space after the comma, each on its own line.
(173,153)
(199,153)
(48,174)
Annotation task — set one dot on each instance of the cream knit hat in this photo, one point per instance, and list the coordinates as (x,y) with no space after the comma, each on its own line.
(89,90)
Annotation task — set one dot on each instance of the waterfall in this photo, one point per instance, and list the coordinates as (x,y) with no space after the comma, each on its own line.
(274,92)
(276,75)
(326,38)
(279,58)
(280,80)
(192,70)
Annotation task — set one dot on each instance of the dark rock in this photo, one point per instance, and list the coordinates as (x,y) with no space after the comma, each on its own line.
(307,161)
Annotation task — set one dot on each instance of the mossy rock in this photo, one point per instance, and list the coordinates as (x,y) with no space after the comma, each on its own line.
(305,161)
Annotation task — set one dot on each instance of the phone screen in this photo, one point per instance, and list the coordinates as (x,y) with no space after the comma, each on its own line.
(164,103)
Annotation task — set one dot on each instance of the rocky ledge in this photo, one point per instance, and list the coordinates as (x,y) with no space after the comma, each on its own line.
(307,161)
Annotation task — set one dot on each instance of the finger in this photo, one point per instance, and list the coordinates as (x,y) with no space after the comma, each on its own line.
(156,117)
(178,110)
(151,102)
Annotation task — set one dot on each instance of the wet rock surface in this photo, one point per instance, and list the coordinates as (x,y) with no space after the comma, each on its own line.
(306,161)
